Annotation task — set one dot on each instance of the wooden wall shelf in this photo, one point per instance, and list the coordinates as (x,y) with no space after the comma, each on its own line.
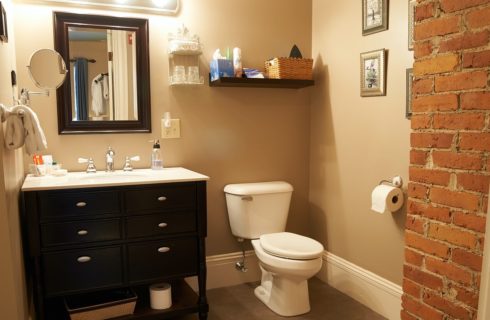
(261,83)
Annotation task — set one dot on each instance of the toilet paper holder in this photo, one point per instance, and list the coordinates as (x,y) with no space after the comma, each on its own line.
(396,181)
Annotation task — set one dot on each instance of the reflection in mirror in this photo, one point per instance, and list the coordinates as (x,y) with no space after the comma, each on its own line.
(104,85)
(47,69)
(108,88)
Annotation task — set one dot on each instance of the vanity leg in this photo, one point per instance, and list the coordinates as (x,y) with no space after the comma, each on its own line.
(203,302)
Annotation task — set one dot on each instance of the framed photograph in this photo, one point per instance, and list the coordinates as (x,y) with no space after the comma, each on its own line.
(408,108)
(411,22)
(373,73)
(374,16)
(3,24)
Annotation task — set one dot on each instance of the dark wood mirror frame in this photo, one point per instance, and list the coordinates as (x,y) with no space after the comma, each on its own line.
(66,125)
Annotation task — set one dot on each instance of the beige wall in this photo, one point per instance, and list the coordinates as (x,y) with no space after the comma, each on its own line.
(231,134)
(356,142)
(13,304)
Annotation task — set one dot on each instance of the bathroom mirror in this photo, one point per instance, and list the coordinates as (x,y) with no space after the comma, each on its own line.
(47,69)
(108,88)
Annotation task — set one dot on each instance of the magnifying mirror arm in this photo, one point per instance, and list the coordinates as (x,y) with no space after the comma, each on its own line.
(25,95)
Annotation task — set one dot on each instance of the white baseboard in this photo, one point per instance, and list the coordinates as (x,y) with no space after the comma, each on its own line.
(221,271)
(373,291)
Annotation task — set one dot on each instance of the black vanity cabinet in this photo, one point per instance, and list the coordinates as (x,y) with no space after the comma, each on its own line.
(83,240)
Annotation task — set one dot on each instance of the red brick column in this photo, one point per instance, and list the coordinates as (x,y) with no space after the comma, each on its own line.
(449,160)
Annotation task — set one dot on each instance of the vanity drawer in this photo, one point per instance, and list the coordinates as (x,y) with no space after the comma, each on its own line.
(60,204)
(80,231)
(170,257)
(168,197)
(74,270)
(160,224)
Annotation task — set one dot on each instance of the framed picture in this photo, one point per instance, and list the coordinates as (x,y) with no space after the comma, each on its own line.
(411,22)
(373,73)
(408,108)
(374,16)
(3,24)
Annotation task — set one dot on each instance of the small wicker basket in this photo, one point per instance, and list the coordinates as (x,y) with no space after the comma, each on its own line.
(289,68)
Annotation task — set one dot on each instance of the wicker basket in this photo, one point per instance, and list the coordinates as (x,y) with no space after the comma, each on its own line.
(289,68)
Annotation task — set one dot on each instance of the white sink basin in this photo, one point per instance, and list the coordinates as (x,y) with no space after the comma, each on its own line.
(116,178)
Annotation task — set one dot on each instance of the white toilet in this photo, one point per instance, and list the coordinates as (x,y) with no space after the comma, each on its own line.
(259,211)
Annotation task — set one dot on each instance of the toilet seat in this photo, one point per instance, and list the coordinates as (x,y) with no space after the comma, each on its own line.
(291,246)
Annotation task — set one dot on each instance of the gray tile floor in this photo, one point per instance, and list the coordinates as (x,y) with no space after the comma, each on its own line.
(240,303)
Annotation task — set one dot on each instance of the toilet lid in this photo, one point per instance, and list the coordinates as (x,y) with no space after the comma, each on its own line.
(291,246)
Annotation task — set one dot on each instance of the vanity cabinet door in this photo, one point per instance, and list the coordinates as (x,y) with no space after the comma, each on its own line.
(75,232)
(74,270)
(63,204)
(168,197)
(160,224)
(165,258)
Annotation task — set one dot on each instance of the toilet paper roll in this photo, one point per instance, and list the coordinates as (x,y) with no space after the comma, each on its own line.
(386,197)
(160,296)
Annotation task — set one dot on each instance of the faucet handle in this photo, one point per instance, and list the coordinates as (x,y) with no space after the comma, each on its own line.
(127,164)
(91,165)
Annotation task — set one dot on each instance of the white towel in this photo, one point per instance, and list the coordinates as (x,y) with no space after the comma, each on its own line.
(97,95)
(14,132)
(105,85)
(35,140)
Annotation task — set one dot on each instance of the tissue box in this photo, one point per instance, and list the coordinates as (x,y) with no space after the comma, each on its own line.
(221,68)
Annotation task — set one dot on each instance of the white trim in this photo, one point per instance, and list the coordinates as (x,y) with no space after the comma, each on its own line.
(483,307)
(221,271)
(373,291)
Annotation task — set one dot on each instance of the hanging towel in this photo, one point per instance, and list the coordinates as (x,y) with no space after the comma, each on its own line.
(3,113)
(97,95)
(14,132)
(105,85)
(35,140)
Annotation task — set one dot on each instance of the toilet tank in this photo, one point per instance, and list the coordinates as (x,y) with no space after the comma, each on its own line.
(258,208)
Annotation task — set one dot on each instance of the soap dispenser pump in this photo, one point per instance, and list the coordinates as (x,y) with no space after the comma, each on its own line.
(156,156)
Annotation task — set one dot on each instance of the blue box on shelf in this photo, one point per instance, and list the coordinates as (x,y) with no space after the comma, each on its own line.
(221,68)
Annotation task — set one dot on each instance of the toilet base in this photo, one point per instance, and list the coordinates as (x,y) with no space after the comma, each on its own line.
(285,296)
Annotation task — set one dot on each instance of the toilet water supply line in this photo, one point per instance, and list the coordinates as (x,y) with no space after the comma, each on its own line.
(240,265)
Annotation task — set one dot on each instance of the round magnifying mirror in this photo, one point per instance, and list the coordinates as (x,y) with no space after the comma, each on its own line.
(47,69)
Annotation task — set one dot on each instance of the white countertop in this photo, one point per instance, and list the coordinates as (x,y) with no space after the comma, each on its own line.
(107,179)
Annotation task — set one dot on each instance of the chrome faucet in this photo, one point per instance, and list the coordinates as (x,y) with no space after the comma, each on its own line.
(109,160)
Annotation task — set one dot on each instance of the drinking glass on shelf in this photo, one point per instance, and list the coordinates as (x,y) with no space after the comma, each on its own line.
(179,74)
(193,74)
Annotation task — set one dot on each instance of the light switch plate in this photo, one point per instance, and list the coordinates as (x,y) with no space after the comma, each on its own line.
(173,131)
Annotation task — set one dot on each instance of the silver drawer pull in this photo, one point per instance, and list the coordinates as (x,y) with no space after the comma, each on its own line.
(81,204)
(162,198)
(82,232)
(163,249)
(84,259)
(162,225)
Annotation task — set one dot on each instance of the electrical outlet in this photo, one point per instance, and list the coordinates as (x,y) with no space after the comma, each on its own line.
(173,131)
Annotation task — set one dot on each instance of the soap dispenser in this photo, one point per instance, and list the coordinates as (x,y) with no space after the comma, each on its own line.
(156,156)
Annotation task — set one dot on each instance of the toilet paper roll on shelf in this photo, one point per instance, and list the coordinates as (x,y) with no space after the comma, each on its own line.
(386,198)
(160,296)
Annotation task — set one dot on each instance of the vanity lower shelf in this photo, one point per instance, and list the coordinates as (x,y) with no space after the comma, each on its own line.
(183,302)
(261,83)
